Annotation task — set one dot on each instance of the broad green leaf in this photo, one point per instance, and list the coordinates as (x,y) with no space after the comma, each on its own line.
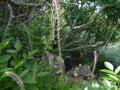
(41,74)
(18,45)
(107,78)
(114,77)
(107,71)
(75,87)
(109,65)
(117,70)
(86,88)
(95,84)
(25,55)
(28,79)
(107,83)
(19,64)
(4,44)
(24,73)
(32,53)
(31,87)
(6,69)
(12,51)
(4,58)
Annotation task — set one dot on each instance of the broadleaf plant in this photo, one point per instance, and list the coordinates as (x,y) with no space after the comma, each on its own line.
(111,74)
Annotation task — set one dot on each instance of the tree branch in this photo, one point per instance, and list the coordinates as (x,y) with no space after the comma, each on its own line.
(84,27)
(27,4)
(84,47)
(94,64)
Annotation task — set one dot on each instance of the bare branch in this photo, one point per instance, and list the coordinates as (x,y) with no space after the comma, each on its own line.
(85,47)
(95,62)
(76,29)
(106,42)
(71,43)
(27,4)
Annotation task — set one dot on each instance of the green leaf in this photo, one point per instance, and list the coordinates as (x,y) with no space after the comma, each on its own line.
(31,87)
(18,45)
(114,77)
(86,88)
(12,51)
(95,84)
(41,74)
(107,71)
(24,73)
(25,55)
(6,69)
(107,83)
(19,64)
(32,53)
(28,79)
(107,78)
(4,44)
(4,58)
(117,70)
(109,65)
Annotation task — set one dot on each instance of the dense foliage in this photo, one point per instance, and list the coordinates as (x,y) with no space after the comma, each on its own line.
(37,35)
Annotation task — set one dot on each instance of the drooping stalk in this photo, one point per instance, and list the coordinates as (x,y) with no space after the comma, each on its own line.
(57,12)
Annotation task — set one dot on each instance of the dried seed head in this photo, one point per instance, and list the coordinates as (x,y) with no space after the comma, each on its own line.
(16,78)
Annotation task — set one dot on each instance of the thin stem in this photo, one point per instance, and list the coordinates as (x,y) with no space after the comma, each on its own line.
(9,21)
(95,62)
